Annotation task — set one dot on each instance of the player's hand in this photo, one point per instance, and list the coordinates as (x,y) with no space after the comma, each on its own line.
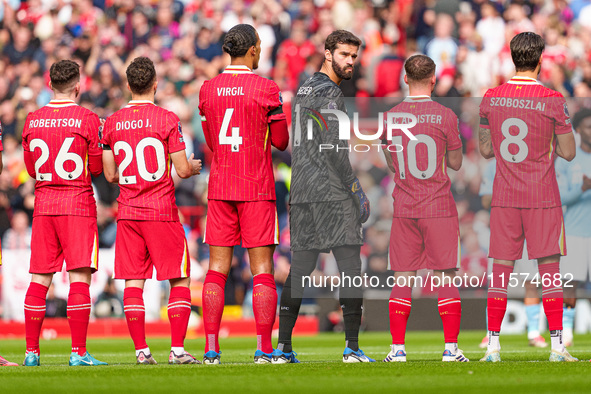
(196,165)
(586,183)
(361,198)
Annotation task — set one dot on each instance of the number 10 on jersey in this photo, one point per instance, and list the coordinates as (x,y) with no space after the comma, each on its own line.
(234,139)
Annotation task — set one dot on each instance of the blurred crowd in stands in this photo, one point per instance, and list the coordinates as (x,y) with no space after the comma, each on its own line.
(469,41)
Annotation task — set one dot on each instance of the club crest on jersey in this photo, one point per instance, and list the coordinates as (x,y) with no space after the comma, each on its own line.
(180,128)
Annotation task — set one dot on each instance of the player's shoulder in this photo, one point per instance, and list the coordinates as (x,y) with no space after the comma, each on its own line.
(268,84)
(205,86)
(320,85)
(86,113)
(167,114)
(492,92)
(37,113)
(549,93)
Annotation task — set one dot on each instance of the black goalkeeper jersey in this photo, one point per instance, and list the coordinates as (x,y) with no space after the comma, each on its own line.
(319,174)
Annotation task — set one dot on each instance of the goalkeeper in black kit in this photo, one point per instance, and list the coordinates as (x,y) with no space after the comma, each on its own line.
(327,203)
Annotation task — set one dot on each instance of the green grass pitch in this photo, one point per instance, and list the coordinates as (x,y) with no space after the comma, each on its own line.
(524,369)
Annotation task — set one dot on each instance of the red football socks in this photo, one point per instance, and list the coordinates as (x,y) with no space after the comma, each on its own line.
(450,310)
(135,315)
(34,314)
(497,296)
(179,311)
(552,297)
(264,306)
(213,308)
(399,307)
(79,315)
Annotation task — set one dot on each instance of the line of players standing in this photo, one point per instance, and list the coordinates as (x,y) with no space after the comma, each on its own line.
(328,205)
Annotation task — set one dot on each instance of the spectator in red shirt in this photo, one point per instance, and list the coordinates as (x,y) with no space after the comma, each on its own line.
(292,56)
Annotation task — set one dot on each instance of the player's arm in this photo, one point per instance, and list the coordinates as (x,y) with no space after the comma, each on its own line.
(486,184)
(95,154)
(110,167)
(108,158)
(2,164)
(279,134)
(277,119)
(204,124)
(30,163)
(454,158)
(185,168)
(453,155)
(176,145)
(389,160)
(566,146)
(485,142)
(339,158)
(205,127)
(486,201)
(563,129)
(484,137)
(28,155)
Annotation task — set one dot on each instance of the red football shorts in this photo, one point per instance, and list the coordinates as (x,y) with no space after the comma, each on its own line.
(253,221)
(431,243)
(542,228)
(142,245)
(55,238)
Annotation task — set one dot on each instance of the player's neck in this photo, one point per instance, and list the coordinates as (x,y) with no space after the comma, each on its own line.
(61,97)
(419,92)
(242,61)
(142,97)
(585,147)
(527,74)
(331,74)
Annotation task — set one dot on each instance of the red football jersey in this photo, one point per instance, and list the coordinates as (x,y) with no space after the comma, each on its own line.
(524,117)
(422,185)
(61,136)
(1,146)
(142,136)
(237,107)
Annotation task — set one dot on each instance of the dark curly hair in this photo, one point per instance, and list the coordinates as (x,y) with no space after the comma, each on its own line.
(526,49)
(141,75)
(239,40)
(64,75)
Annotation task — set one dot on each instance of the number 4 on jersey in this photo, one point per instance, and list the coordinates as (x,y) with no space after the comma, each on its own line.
(234,139)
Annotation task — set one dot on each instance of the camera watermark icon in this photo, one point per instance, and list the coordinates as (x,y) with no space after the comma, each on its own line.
(335,118)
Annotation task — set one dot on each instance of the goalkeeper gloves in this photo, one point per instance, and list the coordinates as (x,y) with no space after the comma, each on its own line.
(361,198)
